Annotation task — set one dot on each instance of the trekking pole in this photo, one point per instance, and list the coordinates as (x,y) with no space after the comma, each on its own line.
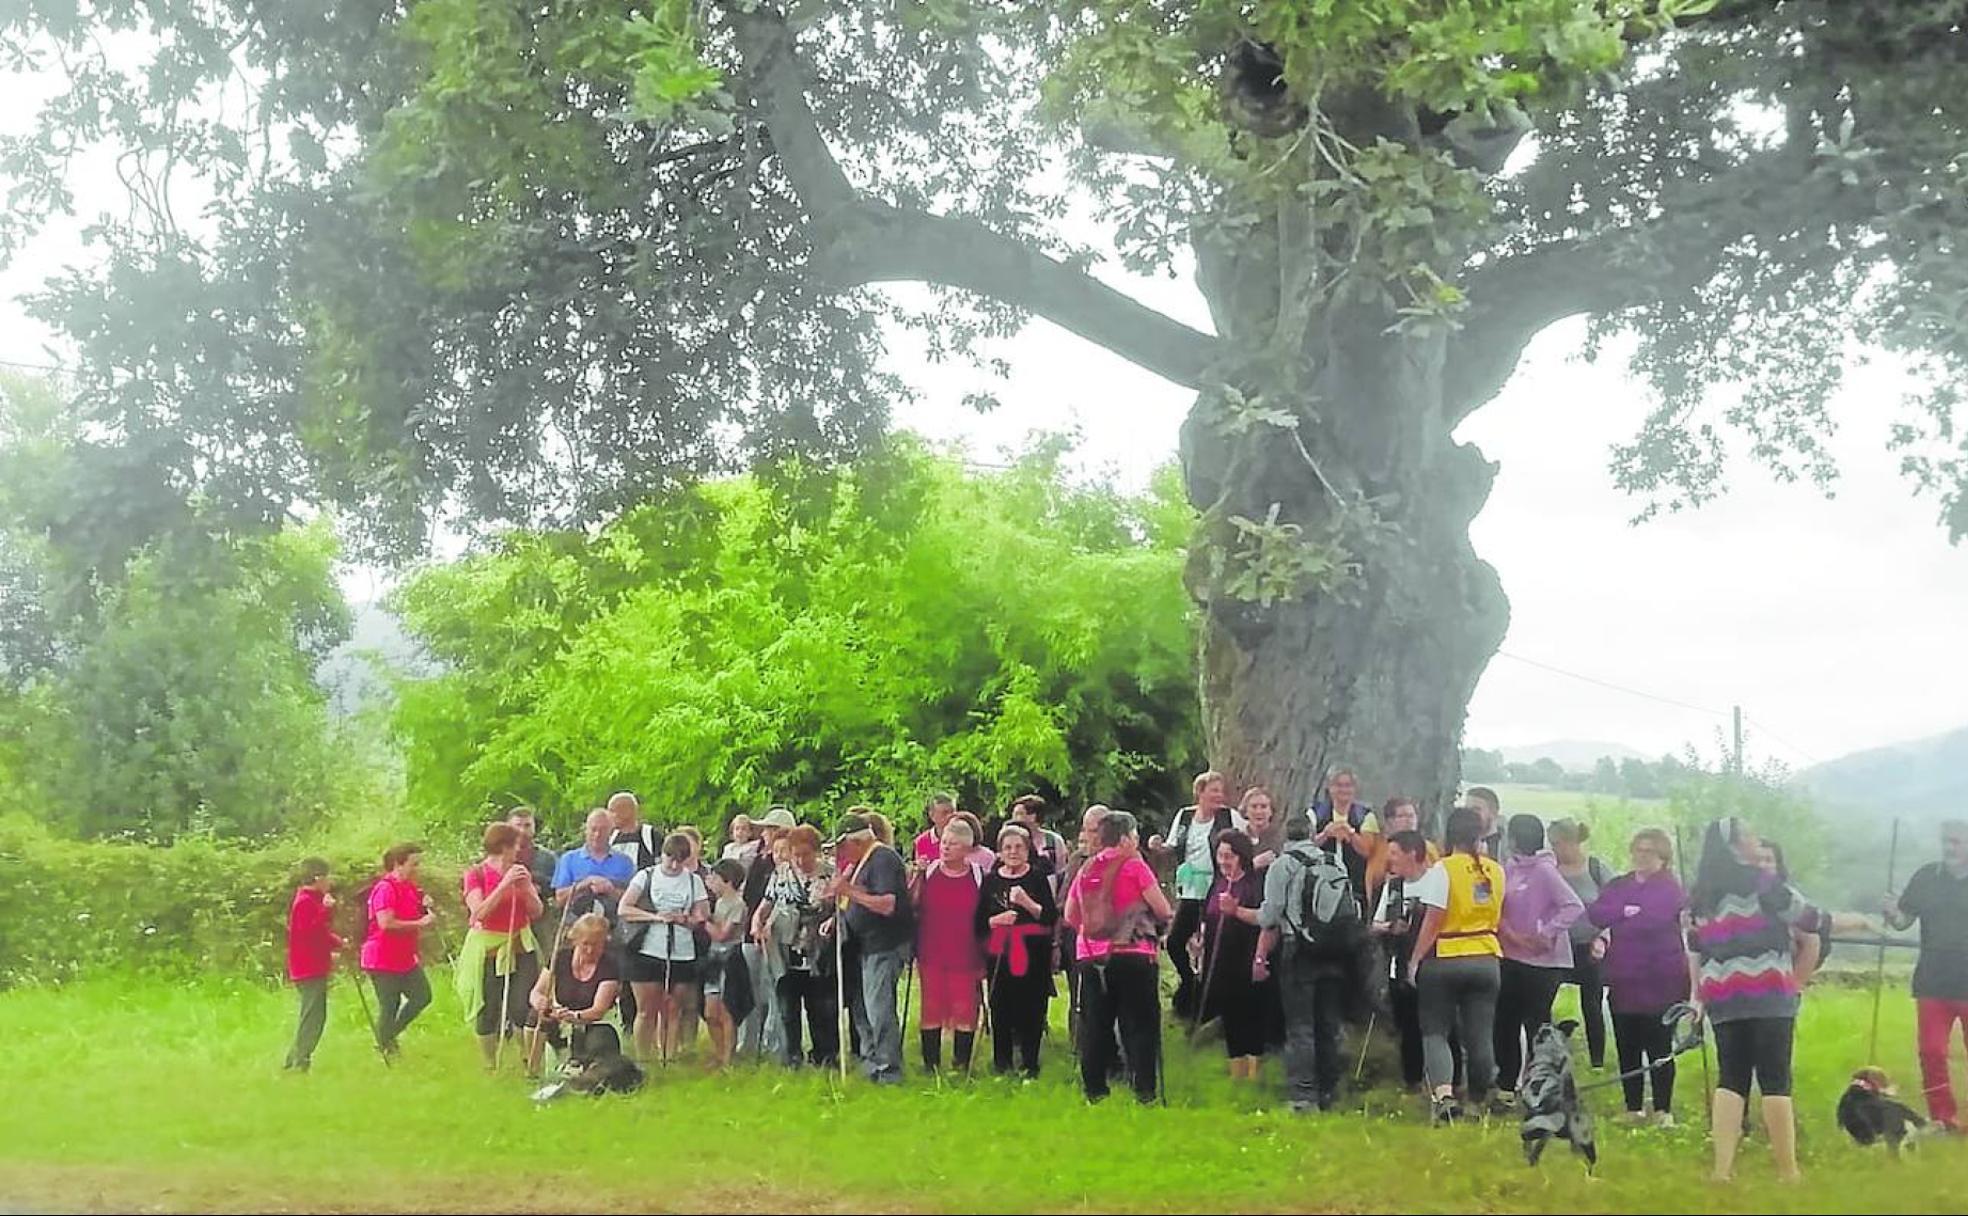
(375,1027)
(1708,1082)
(908,993)
(1879,972)
(1209,976)
(540,1023)
(1365,1042)
(505,998)
(840,987)
(668,1014)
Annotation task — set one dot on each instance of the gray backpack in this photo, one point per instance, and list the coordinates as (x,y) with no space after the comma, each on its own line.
(1326,919)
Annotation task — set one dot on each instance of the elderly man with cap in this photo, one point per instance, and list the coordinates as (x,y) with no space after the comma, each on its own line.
(872,886)
(760,1033)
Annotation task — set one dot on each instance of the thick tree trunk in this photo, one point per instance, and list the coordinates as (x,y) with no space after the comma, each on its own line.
(1376,674)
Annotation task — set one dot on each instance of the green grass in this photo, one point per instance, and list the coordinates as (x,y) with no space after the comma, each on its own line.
(167,1096)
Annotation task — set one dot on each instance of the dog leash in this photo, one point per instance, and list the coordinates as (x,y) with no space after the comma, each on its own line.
(1687,1024)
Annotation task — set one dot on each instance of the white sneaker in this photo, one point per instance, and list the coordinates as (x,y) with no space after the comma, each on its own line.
(1664,1120)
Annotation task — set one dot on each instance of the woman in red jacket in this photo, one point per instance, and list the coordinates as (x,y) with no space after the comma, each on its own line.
(311,946)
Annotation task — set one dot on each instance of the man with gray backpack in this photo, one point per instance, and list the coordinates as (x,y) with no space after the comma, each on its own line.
(1309,907)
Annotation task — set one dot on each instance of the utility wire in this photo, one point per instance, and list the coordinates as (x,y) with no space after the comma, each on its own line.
(1631,692)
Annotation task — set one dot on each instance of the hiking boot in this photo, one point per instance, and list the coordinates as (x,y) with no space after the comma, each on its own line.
(1442,1112)
(1300,1106)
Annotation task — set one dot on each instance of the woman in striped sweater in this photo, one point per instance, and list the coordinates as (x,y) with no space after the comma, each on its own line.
(1741,968)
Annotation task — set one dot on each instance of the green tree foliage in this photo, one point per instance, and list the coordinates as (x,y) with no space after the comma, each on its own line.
(724,647)
(157,677)
(535,263)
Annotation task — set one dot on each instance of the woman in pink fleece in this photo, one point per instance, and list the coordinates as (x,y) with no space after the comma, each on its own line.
(1539,907)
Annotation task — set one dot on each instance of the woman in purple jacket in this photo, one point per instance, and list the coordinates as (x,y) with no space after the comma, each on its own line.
(1539,907)
(1645,969)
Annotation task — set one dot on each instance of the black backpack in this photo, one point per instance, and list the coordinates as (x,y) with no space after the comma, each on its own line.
(1326,921)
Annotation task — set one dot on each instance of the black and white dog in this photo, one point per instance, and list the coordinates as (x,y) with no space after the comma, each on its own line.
(1549,1098)
(595,1066)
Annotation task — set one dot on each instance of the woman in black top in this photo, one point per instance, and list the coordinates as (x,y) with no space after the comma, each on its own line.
(1230,936)
(1016,913)
(578,990)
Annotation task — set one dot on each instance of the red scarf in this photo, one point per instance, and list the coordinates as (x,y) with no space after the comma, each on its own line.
(1014,937)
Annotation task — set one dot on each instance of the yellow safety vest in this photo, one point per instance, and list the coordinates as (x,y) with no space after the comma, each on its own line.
(1469,923)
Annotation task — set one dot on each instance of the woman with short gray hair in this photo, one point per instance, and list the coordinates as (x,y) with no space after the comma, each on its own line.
(948,956)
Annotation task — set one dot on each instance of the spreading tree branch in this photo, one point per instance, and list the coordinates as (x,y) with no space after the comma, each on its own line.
(860,241)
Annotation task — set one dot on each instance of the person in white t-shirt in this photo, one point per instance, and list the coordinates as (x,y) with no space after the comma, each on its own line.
(668,900)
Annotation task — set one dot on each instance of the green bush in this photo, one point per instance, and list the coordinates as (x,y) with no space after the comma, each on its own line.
(70,908)
(911,625)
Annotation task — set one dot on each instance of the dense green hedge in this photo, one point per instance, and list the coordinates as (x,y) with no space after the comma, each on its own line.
(68,908)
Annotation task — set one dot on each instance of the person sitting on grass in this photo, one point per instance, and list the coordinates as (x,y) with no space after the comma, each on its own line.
(398,912)
(499,960)
(311,947)
(668,900)
(579,990)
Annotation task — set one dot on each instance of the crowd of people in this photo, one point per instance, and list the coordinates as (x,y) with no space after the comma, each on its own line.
(1288,929)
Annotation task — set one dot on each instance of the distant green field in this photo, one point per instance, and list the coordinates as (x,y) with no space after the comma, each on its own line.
(139,1095)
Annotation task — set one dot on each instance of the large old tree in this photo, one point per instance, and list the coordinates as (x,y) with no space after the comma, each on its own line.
(530,260)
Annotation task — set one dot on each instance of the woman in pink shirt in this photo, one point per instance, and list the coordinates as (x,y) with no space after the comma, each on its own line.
(500,959)
(1118,911)
(948,956)
(397,911)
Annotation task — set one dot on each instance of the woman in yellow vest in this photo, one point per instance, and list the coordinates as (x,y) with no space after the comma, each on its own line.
(1455,964)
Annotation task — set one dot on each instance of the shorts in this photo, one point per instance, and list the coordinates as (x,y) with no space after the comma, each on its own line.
(1754,1049)
(646,970)
(714,965)
(949,996)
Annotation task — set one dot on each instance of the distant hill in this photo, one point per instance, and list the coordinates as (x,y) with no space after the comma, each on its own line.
(1923,779)
(349,674)
(1579,755)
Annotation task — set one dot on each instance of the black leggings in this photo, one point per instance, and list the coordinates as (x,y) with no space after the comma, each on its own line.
(1592,1001)
(1524,997)
(1018,1018)
(1758,1047)
(1644,1040)
(516,989)
(1188,922)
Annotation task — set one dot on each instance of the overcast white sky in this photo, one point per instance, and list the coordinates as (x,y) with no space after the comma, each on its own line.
(1837,624)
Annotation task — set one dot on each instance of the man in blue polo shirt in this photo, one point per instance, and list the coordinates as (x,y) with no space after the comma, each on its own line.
(592,877)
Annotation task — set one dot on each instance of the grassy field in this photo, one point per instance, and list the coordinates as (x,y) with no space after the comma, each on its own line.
(141,1095)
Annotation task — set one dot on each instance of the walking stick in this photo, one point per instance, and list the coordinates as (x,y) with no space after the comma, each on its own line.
(540,1023)
(1879,973)
(375,1027)
(669,1016)
(840,987)
(505,999)
(908,993)
(1708,1082)
(1209,975)
(990,990)
(1365,1043)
